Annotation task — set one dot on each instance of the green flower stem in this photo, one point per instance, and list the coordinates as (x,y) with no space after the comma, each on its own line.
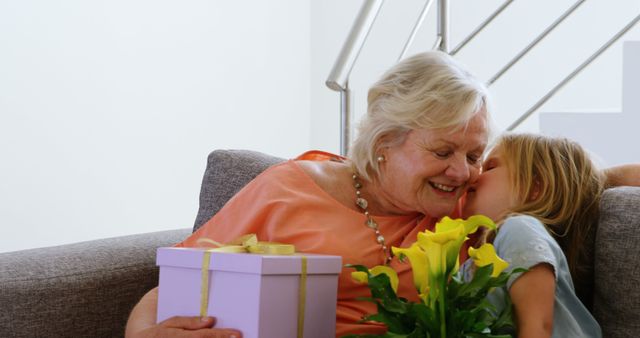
(443,318)
(442,296)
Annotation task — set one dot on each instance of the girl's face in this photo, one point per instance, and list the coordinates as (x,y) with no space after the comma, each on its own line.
(492,194)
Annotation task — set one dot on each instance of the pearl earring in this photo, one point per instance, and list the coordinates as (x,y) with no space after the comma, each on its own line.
(381,158)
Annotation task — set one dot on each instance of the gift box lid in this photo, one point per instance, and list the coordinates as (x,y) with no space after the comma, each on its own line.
(249,263)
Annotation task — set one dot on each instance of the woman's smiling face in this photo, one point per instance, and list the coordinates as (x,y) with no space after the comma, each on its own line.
(431,169)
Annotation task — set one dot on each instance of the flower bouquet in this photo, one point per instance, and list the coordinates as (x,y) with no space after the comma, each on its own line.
(450,305)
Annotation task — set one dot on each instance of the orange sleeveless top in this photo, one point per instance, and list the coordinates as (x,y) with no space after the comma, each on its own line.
(284,204)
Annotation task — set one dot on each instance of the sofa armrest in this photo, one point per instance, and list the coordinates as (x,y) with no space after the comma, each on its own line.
(78,290)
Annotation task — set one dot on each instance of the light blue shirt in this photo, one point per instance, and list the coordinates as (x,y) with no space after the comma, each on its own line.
(524,242)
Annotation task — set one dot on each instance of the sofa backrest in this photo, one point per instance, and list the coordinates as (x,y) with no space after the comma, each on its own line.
(617,272)
(617,245)
(226,173)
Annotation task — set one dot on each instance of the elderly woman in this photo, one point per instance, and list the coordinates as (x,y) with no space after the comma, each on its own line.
(418,148)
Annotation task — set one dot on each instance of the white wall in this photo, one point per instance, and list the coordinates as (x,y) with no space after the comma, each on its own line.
(108,109)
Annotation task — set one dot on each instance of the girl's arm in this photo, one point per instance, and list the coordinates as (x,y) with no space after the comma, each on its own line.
(533,295)
(626,174)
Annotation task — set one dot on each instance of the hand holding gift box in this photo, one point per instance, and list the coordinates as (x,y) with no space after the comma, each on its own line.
(261,294)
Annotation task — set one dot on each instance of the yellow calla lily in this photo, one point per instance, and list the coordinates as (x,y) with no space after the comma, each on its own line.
(443,246)
(485,255)
(440,237)
(432,245)
(447,223)
(363,277)
(466,227)
(433,249)
(472,223)
(434,259)
(393,276)
(419,265)
(360,276)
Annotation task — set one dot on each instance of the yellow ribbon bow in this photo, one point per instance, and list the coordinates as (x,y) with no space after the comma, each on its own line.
(250,244)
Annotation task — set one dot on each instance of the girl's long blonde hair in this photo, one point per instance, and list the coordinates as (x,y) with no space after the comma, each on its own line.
(556,182)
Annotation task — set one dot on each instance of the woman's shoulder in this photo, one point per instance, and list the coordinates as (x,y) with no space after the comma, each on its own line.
(277,172)
(325,169)
(282,179)
(308,172)
(303,167)
(332,177)
(319,155)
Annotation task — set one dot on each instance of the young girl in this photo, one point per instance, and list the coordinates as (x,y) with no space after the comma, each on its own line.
(545,193)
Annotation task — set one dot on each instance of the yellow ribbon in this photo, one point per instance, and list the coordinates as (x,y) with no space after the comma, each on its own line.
(250,244)
(204,287)
(302,295)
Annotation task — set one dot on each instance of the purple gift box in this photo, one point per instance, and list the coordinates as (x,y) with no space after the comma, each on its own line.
(254,293)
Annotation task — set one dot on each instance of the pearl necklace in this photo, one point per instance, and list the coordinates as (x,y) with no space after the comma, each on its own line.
(363,204)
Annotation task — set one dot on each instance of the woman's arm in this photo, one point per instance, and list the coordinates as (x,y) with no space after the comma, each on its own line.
(626,174)
(533,295)
(142,323)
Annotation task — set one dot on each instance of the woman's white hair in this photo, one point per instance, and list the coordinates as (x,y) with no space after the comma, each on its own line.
(429,90)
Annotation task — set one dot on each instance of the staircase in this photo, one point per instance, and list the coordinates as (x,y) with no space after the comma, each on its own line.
(568,36)
(612,137)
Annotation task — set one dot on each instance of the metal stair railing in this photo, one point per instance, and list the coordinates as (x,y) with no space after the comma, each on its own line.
(484,24)
(535,42)
(339,77)
(573,74)
(416,28)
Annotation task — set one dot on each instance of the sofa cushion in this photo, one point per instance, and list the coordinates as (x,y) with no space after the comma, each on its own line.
(617,273)
(227,172)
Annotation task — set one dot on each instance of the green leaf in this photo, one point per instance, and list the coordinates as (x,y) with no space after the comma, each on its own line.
(480,279)
(381,289)
(504,324)
(393,322)
(425,316)
(394,335)
(358,267)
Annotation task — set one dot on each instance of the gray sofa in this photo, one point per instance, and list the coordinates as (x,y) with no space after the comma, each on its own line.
(87,289)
